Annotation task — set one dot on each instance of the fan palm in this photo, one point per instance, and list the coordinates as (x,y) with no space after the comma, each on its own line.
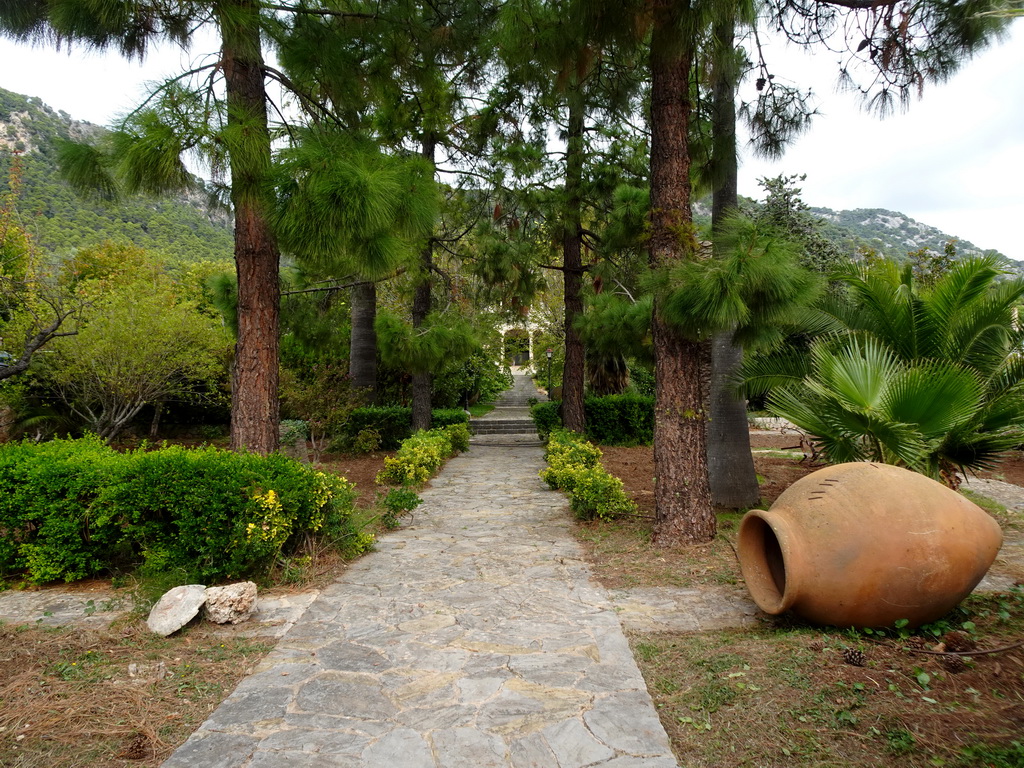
(930,379)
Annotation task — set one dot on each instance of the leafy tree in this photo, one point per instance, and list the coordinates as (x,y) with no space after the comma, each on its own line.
(907,43)
(927,377)
(35,308)
(140,345)
(929,266)
(323,397)
(559,73)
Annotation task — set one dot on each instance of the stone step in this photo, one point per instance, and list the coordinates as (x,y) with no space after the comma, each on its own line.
(509,428)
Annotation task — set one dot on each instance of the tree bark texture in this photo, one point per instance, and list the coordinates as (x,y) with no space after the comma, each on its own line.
(730,463)
(684,513)
(255,410)
(421,380)
(363,340)
(574,371)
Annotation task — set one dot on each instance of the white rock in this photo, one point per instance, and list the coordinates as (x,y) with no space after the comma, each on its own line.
(230,604)
(176,608)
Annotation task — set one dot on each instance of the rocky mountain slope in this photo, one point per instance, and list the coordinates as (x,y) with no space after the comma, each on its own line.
(62,221)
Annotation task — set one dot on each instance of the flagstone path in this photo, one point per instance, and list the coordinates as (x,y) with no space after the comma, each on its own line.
(474,637)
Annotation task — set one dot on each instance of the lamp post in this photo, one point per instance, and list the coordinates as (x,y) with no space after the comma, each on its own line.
(549,372)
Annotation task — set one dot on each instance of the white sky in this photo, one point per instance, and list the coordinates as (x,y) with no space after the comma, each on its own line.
(955,160)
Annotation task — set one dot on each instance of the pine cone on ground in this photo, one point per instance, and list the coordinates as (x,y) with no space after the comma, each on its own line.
(854,657)
(958,641)
(817,645)
(954,663)
(915,641)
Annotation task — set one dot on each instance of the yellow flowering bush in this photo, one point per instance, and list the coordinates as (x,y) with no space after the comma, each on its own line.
(75,508)
(422,455)
(574,467)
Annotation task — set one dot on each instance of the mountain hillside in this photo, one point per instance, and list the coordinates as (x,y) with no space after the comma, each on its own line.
(889,232)
(62,221)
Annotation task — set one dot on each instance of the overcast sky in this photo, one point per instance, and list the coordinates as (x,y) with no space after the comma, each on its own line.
(955,160)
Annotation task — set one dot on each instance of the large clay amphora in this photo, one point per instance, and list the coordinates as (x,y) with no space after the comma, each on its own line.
(865,545)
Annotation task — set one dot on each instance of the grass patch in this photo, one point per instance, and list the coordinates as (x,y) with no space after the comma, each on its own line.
(73,696)
(621,555)
(480,409)
(783,694)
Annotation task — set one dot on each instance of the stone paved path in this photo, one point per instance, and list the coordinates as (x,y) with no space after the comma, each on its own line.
(475,637)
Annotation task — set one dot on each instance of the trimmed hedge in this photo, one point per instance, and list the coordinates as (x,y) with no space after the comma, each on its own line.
(394,422)
(423,454)
(611,420)
(574,467)
(70,509)
(620,419)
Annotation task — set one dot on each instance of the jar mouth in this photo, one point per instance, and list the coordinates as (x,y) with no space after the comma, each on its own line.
(762,552)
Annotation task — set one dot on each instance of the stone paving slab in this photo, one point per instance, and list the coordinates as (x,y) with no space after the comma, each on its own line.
(473,638)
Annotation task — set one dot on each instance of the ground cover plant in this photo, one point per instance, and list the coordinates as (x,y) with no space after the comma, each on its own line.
(783,693)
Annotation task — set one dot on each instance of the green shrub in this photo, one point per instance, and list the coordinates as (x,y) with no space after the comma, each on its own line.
(545,415)
(366,441)
(611,420)
(620,419)
(423,454)
(393,423)
(47,522)
(459,436)
(574,467)
(74,508)
(398,502)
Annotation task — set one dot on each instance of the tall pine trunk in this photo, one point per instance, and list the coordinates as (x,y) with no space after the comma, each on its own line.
(362,362)
(255,407)
(420,309)
(684,513)
(573,372)
(730,463)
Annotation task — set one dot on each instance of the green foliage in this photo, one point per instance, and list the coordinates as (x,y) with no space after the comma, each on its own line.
(786,213)
(398,502)
(620,419)
(47,498)
(611,420)
(140,344)
(546,417)
(993,756)
(930,378)
(574,466)
(440,339)
(423,454)
(323,398)
(393,423)
(365,441)
(754,286)
(641,379)
(74,508)
(343,204)
(475,378)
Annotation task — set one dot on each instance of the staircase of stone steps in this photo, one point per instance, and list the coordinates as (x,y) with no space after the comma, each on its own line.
(511,414)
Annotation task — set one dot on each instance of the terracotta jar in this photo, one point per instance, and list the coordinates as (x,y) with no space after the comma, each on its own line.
(865,545)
